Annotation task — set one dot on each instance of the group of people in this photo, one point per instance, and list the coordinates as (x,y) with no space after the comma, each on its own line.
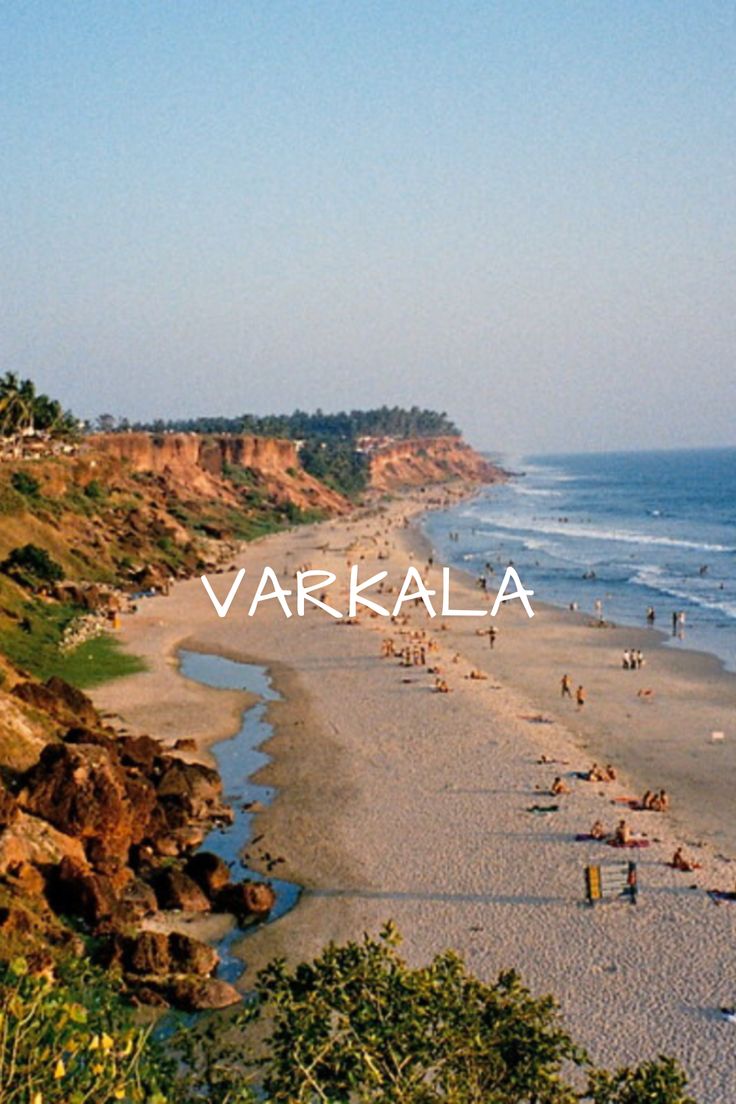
(566,691)
(601,774)
(655,802)
(632,659)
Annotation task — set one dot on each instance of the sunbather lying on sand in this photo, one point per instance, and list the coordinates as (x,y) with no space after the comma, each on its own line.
(598,831)
(441,686)
(476,674)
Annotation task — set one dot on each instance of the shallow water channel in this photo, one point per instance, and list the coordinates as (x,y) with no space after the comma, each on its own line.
(238,759)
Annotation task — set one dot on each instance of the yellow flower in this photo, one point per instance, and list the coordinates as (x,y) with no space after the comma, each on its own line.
(95,1043)
(37,1098)
(59,1070)
(106,1041)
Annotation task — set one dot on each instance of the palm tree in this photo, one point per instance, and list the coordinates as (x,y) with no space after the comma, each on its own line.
(16,405)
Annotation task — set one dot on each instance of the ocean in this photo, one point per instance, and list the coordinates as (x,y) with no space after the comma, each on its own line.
(629,530)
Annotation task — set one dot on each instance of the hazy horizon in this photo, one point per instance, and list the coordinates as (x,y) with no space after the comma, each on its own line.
(519,213)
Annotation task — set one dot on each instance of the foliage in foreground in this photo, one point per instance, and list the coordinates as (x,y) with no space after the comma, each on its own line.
(355,1025)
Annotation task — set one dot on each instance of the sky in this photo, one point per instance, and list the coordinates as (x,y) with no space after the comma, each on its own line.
(522,213)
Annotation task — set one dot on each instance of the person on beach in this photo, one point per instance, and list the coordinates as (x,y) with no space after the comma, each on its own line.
(661,802)
(492,636)
(598,831)
(565,686)
(622,835)
(651,615)
(626,660)
(679,862)
(580,696)
(558,787)
(674,622)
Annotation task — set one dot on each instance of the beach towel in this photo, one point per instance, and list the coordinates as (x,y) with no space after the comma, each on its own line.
(543,808)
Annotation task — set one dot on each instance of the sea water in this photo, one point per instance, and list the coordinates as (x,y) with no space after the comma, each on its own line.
(629,530)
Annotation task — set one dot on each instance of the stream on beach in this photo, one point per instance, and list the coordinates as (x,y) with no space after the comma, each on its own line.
(238,759)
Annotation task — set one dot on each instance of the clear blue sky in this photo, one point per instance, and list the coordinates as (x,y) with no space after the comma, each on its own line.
(522,213)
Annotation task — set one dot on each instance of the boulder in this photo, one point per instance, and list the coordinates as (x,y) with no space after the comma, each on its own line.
(75,890)
(176,890)
(247,900)
(210,872)
(195,994)
(83,792)
(140,751)
(185,744)
(63,702)
(30,839)
(147,953)
(8,807)
(139,899)
(189,790)
(191,956)
(79,734)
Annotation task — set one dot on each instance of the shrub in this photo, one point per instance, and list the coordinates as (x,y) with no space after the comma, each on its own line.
(67,1037)
(95,491)
(25,484)
(30,560)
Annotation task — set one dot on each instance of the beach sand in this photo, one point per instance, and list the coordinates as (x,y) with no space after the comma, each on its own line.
(397,802)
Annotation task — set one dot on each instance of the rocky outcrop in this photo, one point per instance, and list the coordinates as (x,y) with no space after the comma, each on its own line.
(192,464)
(419,461)
(103,829)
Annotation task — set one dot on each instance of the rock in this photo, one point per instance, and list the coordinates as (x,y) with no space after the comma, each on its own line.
(194,994)
(189,790)
(176,890)
(64,702)
(81,735)
(185,744)
(210,872)
(140,751)
(83,792)
(30,839)
(75,890)
(191,956)
(8,807)
(26,878)
(247,900)
(139,899)
(146,996)
(147,953)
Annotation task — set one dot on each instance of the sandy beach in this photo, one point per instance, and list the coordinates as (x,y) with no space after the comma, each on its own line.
(398,802)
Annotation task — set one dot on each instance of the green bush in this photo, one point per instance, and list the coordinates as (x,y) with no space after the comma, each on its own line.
(25,484)
(95,491)
(66,1039)
(359,1024)
(30,560)
(355,1026)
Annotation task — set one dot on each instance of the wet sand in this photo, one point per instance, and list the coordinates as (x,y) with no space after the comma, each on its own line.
(398,802)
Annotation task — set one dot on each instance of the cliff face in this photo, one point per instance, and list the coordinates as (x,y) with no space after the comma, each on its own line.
(424,460)
(196,465)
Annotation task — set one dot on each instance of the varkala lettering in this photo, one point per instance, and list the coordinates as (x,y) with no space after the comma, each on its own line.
(413,590)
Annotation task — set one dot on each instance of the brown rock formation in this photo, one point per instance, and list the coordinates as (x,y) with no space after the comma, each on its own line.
(417,461)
